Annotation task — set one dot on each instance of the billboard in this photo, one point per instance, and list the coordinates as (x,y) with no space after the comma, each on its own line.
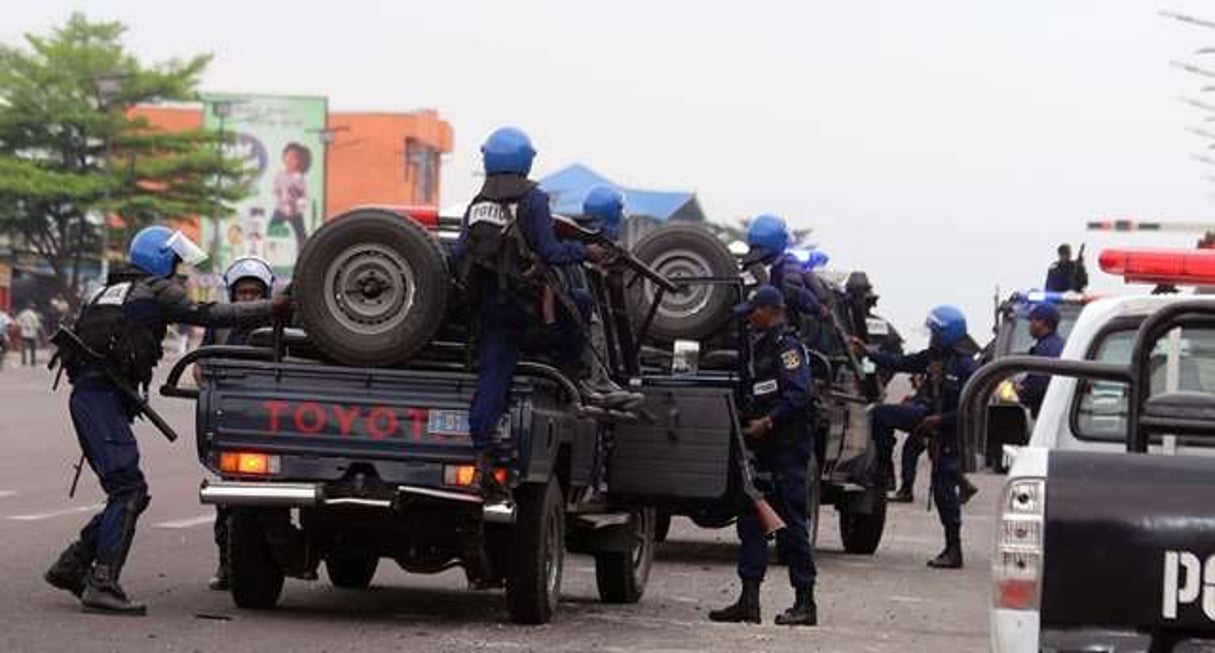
(279,140)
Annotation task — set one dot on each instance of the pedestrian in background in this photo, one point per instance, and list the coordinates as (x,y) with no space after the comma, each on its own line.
(5,321)
(31,333)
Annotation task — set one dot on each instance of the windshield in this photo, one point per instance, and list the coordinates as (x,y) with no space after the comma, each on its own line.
(1101,405)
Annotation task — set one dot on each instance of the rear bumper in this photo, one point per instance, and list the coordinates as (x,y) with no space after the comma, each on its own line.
(271,494)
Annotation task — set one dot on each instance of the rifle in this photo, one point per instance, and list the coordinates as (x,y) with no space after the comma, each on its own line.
(870,390)
(66,340)
(769,521)
(568,229)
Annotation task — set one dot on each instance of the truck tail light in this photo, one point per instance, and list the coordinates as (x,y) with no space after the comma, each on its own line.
(1017,563)
(242,462)
(466,475)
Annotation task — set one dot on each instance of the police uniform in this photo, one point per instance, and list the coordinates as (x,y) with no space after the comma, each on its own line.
(779,389)
(1033,387)
(506,226)
(954,370)
(125,323)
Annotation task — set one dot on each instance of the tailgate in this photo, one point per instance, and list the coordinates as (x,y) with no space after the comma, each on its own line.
(327,411)
(1130,541)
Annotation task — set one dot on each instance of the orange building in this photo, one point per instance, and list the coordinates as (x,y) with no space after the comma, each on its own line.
(371,158)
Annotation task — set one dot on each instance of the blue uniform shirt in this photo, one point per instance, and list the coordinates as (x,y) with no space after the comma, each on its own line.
(1033,387)
(958,368)
(780,379)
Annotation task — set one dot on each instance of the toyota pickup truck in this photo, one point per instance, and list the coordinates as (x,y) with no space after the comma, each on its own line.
(1105,534)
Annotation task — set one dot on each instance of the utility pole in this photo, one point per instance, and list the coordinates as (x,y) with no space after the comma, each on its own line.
(106,88)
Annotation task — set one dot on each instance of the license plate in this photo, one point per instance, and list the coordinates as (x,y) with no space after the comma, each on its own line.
(448,422)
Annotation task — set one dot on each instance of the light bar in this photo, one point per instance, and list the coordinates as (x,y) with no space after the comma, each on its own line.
(1191,267)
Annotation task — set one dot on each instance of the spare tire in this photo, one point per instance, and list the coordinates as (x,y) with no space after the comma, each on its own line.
(371,287)
(686,250)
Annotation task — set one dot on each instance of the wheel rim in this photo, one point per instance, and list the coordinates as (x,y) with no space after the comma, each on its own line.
(552,555)
(371,288)
(642,543)
(675,264)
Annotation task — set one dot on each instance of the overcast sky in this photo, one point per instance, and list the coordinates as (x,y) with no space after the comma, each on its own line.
(946,147)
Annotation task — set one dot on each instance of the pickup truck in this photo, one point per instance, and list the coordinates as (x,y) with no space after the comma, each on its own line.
(345,442)
(1105,539)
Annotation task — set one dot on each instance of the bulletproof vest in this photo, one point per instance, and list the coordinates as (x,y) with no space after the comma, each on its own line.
(494,242)
(122,324)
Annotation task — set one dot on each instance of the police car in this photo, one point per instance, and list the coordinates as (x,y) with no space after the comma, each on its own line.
(1105,538)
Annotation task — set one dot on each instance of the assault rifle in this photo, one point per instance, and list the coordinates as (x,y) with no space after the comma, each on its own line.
(570,230)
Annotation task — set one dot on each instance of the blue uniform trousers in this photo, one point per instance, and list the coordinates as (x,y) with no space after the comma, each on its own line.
(102,419)
(502,328)
(787,495)
(946,473)
(888,418)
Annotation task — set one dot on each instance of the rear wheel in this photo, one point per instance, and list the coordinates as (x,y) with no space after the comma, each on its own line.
(862,533)
(372,288)
(256,577)
(622,575)
(662,527)
(351,570)
(537,553)
(686,250)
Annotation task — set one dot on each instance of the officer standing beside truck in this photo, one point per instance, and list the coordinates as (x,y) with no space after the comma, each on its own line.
(124,325)
(1043,326)
(779,430)
(947,369)
(248,279)
(506,242)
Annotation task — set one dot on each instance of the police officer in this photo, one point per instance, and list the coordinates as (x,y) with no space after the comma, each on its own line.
(946,368)
(247,279)
(1065,275)
(125,323)
(779,431)
(506,240)
(1043,326)
(768,240)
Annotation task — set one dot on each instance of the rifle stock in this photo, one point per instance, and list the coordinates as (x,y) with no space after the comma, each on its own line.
(769,521)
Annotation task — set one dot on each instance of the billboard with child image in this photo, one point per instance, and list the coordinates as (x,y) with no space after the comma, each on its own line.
(279,139)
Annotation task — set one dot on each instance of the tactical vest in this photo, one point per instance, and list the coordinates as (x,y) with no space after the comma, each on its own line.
(494,242)
(122,324)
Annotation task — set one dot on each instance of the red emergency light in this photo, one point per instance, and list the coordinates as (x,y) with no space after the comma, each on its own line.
(1186,267)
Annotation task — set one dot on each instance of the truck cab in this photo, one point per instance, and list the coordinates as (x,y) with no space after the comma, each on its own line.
(1105,520)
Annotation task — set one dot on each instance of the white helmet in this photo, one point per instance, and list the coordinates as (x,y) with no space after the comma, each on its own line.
(249,267)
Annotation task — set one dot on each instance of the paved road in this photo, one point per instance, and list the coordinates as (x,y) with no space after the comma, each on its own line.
(888,602)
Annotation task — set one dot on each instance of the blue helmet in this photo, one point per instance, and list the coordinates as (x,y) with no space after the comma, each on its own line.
(947,325)
(769,233)
(508,150)
(604,205)
(157,250)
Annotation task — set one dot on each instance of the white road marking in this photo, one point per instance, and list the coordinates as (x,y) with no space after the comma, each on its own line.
(56,513)
(187,523)
(909,599)
(4,494)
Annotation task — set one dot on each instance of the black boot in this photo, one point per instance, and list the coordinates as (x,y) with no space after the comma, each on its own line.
(70,569)
(904,495)
(102,593)
(219,582)
(744,610)
(491,490)
(950,558)
(803,613)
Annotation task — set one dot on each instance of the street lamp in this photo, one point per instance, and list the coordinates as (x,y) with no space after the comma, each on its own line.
(107,89)
(328,136)
(222,109)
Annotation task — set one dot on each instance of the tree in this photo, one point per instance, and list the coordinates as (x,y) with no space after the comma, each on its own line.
(71,149)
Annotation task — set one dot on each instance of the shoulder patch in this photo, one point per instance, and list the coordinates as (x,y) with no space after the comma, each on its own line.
(114,295)
(791,359)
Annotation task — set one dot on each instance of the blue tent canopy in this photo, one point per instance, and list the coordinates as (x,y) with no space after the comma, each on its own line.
(568,187)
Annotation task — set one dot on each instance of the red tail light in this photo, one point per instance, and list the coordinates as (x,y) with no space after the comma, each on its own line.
(1185,267)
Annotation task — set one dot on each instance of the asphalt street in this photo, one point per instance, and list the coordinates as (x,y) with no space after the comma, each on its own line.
(887,602)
